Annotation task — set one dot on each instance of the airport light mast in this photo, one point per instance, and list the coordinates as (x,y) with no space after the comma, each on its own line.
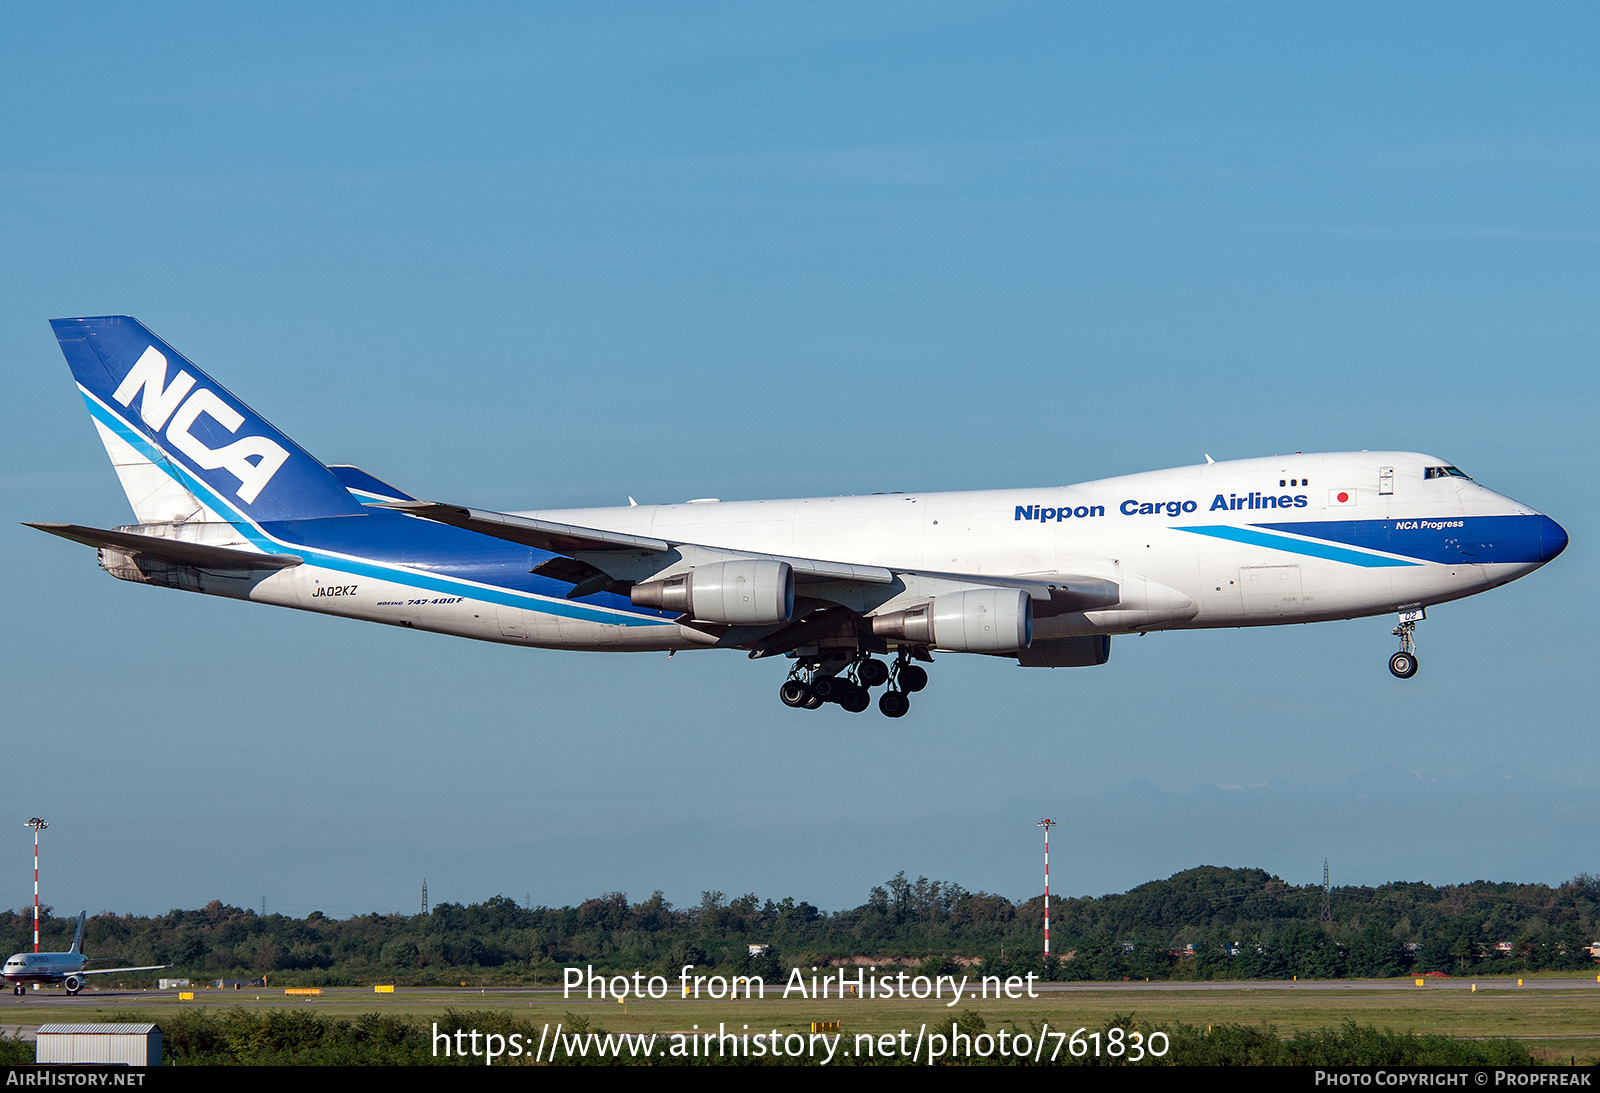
(1047,824)
(38,825)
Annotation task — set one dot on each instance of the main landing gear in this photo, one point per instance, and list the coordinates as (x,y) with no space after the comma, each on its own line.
(796,692)
(812,684)
(1404,663)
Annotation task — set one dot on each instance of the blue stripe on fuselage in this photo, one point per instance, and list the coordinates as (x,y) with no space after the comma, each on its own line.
(392,546)
(439,557)
(1449,540)
(1252,537)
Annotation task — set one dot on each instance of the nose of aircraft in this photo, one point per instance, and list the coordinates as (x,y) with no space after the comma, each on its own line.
(1552,538)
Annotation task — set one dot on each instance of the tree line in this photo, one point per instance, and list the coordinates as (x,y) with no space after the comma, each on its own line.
(1203,923)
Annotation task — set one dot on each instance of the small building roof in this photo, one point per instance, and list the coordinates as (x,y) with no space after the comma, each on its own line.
(104,1028)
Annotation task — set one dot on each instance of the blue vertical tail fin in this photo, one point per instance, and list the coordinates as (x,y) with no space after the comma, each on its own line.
(183,445)
(77,938)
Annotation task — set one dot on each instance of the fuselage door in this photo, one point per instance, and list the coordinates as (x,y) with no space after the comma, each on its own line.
(511,622)
(1385,480)
(1270,591)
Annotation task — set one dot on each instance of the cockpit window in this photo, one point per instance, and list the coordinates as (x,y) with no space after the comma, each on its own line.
(1446,472)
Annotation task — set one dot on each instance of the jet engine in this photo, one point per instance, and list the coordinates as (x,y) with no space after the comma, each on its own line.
(744,592)
(980,620)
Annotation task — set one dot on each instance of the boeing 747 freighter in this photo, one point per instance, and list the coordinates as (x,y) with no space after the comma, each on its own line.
(857,592)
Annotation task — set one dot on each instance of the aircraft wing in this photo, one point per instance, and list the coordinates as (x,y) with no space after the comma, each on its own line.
(172,550)
(570,540)
(108,971)
(593,558)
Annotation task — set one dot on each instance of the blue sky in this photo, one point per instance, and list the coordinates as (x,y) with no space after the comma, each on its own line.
(535,256)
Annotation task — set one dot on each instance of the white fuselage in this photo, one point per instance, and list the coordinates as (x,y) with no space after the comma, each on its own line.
(43,968)
(1249,542)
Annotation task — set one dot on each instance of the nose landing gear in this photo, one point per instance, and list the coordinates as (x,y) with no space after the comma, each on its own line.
(1404,663)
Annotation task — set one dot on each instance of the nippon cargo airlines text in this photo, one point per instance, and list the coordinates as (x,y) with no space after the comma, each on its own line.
(855,595)
(1172,509)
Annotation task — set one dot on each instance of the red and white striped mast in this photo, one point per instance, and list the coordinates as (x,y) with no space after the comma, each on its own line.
(38,825)
(1047,824)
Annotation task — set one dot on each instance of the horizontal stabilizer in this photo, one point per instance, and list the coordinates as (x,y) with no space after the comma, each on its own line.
(190,554)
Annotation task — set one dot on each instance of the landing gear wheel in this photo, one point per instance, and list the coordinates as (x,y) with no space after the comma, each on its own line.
(795,693)
(813,703)
(894,704)
(873,673)
(856,699)
(828,688)
(1404,663)
(913,678)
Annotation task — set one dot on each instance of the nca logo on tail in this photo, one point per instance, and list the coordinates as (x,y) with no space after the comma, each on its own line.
(175,409)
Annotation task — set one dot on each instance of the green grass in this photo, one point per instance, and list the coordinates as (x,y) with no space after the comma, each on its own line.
(1556,1025)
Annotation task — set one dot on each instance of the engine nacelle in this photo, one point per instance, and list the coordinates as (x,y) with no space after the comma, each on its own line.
(745,592)
(981,620)
(1087,651)
(73,984)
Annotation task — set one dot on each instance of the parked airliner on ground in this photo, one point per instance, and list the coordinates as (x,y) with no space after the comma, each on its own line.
(47,969)
(229,506)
